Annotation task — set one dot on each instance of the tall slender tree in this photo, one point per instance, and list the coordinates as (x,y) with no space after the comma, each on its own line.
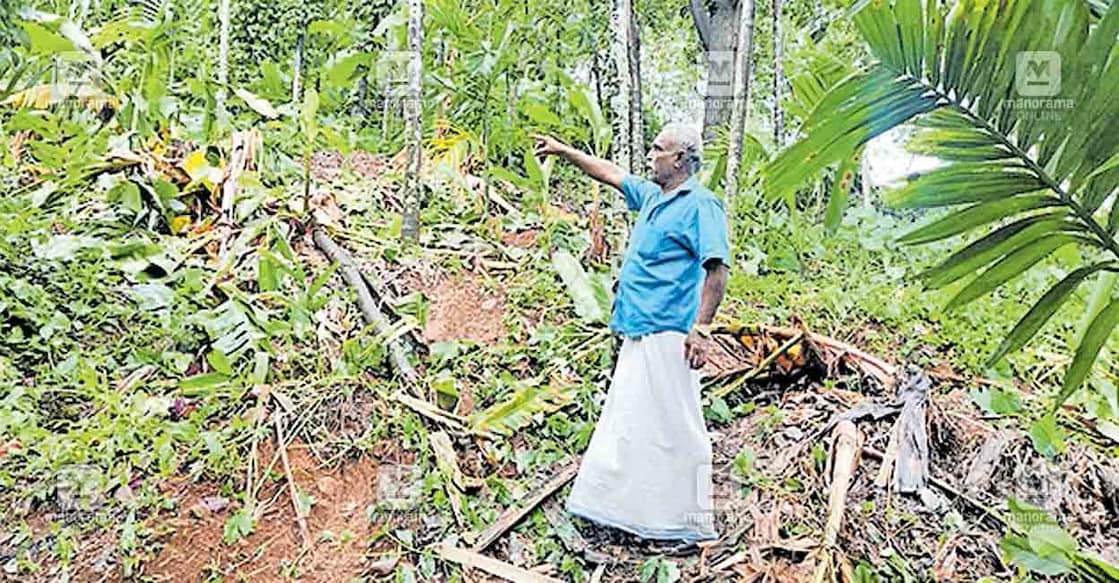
(778,75)
(297,64)
(716,23)
(740,102)
(621,102)
(413,117)
(637,127)
(223,55)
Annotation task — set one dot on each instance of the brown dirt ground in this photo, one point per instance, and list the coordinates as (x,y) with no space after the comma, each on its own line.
(520,239)
(195,549)
(462,308)
(327,166)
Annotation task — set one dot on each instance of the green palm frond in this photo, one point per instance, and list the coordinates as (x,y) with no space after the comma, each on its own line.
(1039,171)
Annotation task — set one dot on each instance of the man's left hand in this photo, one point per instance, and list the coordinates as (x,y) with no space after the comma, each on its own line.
(696,348)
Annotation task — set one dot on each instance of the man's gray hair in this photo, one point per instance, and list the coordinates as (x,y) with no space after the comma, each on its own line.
(690,141)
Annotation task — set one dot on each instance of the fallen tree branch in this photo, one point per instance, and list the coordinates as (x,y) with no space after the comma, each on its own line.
(492,566)
(369,311)
(514,514)
(762,366)
(425,409)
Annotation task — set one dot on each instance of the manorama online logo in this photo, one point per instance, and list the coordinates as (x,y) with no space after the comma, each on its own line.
(1038,74)
(1037,83)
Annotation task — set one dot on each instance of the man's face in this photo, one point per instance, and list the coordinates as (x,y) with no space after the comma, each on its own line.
(664,160)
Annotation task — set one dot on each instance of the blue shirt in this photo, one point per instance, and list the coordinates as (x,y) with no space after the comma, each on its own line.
(676,233)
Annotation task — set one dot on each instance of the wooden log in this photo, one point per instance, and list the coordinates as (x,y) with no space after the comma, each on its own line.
(369,311)
(475,560)
(516,513)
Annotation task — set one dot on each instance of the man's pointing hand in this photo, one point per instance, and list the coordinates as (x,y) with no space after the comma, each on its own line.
(547,145)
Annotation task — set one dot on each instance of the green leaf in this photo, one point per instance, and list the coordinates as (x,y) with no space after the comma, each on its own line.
(1047,436)
(1050,539)
(994,245)
(579,286)
(519,409)
(257,103)
(342,70)
(532,167)
(1025,516)
(44,41)
(976,216)
(219,362)
(1094,337)
(152,296)
(997,401)
(668,572)
(840,190)
(964,183)
(540,114)
(203,381)
(1017,551)
(237,526)
(1041,311)
(307,115)
(127,194)
(1010,266)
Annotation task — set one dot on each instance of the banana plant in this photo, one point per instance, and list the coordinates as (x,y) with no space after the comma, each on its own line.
(1018,98)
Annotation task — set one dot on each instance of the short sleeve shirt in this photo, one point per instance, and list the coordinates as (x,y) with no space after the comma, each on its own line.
(675,235)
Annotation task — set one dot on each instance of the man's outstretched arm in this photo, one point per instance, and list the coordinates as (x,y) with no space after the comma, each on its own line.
(601,170)
(711,295)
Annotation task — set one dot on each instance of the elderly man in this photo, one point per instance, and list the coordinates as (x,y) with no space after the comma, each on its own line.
(647,469)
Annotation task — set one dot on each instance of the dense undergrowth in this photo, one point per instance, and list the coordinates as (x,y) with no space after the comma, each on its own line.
(141,335)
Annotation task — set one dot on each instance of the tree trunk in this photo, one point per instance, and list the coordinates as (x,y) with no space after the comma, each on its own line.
(223,56)
(743,58)
(718,33)
(297,67)
(410,221)
(621,16)
(778,76)
(637,127)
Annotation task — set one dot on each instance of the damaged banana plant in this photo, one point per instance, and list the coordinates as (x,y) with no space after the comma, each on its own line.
(1032,175)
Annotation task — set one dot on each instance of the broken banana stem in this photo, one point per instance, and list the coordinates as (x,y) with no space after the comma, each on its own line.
(844,460)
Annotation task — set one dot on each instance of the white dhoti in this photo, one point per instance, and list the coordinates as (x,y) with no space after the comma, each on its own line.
(647,469)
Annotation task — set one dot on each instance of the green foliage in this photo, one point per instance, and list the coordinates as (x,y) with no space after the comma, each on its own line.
(588,291)
(954,73)
(1038,545)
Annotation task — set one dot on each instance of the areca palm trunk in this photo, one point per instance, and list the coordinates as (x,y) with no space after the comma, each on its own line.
(297,66)
(223,55)
(716,24)
(743,62)
(778,75)
(410,220)
(621,14)
(637,129)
